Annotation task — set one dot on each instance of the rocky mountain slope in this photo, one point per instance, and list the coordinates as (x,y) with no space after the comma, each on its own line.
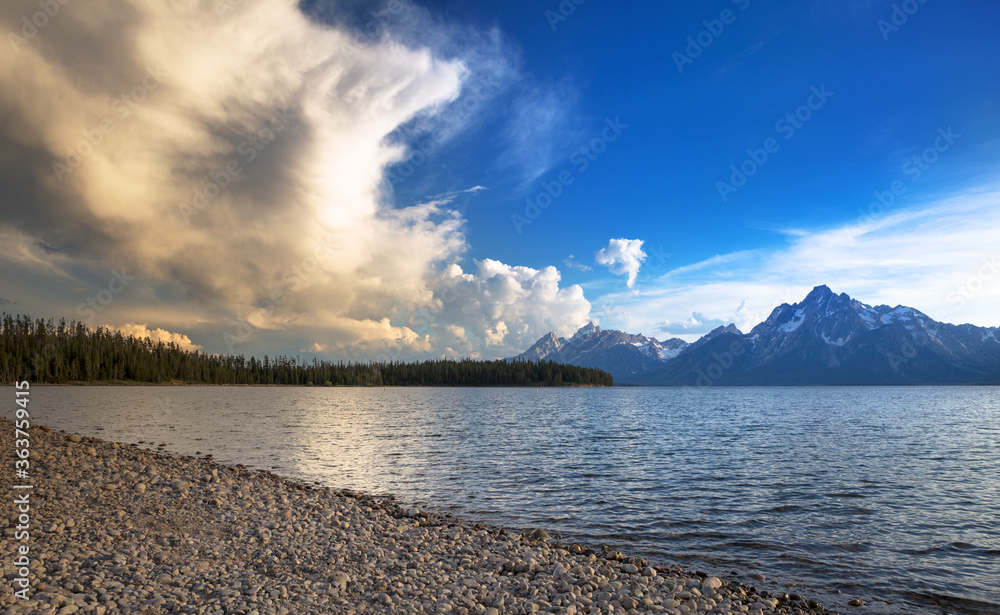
(625,356)
(825,339)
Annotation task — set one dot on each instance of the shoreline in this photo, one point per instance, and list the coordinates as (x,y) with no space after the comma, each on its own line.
(118,528)
(132,383)
(623,385)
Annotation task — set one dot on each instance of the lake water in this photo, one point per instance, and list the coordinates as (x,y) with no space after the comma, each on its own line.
(891,495)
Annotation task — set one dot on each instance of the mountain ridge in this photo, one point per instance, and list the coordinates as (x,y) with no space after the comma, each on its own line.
(624,355)
(825,339)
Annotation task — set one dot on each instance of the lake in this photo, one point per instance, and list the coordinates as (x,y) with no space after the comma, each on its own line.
(891,495)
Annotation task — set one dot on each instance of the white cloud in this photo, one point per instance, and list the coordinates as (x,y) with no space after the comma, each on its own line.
(239,174)
(508,308)
(142,331)
(495,336)
(938,258)
(572,263)
(697,324)
(538,134)
(622,257)
(455,330)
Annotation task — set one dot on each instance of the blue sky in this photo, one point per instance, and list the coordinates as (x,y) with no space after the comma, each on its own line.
(400,180)
(689,119)
(686,129)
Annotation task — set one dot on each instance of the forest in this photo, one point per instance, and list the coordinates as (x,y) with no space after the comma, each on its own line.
(41,351)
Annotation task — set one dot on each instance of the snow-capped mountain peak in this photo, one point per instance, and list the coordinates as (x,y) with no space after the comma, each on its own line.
(588,329)
(624,355)
(824,339)
(833,318)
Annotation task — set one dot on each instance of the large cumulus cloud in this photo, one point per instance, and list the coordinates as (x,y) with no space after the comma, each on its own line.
(234,162)
(504,309)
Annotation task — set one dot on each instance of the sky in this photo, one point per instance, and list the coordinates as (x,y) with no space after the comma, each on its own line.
(401,180)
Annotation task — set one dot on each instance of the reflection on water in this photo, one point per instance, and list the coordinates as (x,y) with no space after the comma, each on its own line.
(888,494)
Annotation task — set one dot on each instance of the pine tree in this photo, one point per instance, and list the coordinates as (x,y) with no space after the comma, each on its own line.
(42,351)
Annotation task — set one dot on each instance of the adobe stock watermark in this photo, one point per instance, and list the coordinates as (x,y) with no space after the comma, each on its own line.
(909,349)
(424,148)
(656,260)
(222,7)
(914,168)
(39,19)
(899,17)
(45,354)
(291,282)
(376,26)
(221,179)
(714,28)
(582,158)
(420,321)
(785,295)
(122,107)
(986,274)
(23,488)
(165,408)
(563,11)
(721,363)
(89,309)
(608,317)
(613,316)
(787,127)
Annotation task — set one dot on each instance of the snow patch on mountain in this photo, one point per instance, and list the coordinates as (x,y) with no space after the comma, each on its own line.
(837,342)
(824,339)
(624,355)
(900,313)
(869,318)
(795,322)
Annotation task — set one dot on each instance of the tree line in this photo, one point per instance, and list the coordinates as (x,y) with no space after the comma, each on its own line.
(49,352)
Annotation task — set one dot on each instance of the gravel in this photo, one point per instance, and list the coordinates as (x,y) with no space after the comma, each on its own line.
(119,529)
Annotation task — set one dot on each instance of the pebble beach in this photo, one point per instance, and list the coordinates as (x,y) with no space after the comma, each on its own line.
(116,528)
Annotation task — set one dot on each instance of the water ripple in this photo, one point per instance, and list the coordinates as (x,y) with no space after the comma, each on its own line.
(887,494)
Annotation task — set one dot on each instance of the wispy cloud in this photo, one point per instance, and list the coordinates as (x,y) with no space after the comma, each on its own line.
(447,197)
(539,134)
(697,324)
(738,59)
(572,263)
(939,258)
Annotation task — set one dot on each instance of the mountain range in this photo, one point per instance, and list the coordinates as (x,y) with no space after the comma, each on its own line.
(826,339)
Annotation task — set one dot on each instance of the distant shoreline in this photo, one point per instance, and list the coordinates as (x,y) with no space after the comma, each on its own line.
(320,386)
(623,385)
